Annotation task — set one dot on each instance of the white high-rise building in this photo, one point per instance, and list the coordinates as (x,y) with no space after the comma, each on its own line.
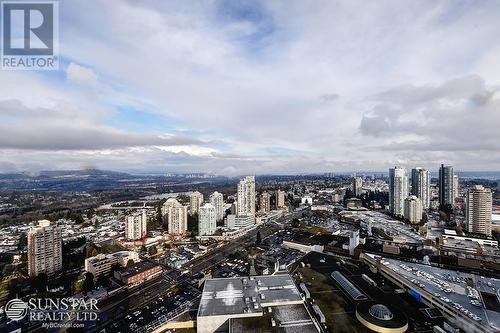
(44,249)
(421,186)
(398,190)
(217,200)
(207,222)
(413,209)
(171,202)
(195,202)
(136,226)
(357,186)
(353,241)
(177,216)
(265,202)
(246,197)
(479,207)
(280,199)
(446,186)
(455,187)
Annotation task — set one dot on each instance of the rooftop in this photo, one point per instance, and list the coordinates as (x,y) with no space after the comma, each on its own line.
(287,318)
(473,295)
(136,268)
(229,296)
(348,287)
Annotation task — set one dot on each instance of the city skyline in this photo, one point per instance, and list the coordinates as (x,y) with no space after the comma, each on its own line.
(257,87)
(249,166)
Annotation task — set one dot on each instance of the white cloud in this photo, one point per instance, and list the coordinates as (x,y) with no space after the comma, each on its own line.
(297,77)
(81,75)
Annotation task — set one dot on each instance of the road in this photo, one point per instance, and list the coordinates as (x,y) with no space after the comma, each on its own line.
(119,305)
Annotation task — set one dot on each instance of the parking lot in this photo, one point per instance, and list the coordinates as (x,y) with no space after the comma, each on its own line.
(339,308)
(461,291)
(144,318)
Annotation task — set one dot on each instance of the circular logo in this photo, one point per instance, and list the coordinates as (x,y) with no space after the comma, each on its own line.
(16,309)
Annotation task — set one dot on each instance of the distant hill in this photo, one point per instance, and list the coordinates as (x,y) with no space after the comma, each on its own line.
(83,173)
(69,180)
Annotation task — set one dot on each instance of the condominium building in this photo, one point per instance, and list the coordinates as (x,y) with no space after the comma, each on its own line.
(421,186)
(166,205)
(446,186)
(413,209)
(357,186)
(265,202)
(280,199)
(136,226)
(195,202)
(455,186)
(44,249)
(479,207)
(246,197)
(217,200)
(207,222)
(398,190)
(177,215)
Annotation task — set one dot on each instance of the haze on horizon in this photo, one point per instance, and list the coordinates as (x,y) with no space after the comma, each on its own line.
(260,87)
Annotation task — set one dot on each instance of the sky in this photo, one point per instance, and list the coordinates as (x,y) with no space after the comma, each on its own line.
(260,87)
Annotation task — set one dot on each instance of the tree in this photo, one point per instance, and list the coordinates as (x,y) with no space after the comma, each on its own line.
(40,282)
(259,238)
(348,194)
(90,213)
(153,250)
(91,251)
(155,222)
(88,282)
(102,280)
(75,216)
(447,209)
(23,242)
(130,262)
(143,249)
(193,223)
(13,287)
(159,215)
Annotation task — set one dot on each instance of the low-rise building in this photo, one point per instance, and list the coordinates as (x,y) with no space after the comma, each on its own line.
(101,264)
(353,203)
(138,273)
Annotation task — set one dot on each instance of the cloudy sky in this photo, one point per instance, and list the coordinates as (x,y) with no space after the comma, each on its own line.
(235,87)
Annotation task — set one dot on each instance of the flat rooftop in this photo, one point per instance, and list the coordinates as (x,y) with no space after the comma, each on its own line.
(287,319)
(247,295)
(454,289)
(137,268)
(399,231)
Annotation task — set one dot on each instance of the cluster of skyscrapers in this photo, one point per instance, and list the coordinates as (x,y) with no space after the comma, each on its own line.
(410,197)
(265,201)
